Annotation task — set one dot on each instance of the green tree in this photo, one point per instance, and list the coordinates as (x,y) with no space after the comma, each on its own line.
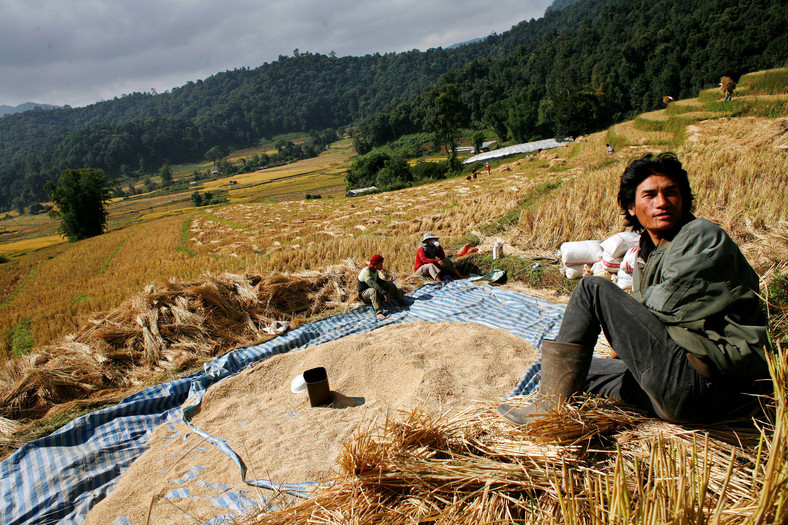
(364,170)
(166,174)
(217,153)
(478,141)
(80,197)
(395,173)
(446,116)
(147,181)
(19,205)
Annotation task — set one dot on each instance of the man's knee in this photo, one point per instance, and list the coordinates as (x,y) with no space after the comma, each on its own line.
(597,282)
(592,285)
(429,270)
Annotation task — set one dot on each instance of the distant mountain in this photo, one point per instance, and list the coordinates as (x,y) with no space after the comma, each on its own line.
(459,44)
(8,110)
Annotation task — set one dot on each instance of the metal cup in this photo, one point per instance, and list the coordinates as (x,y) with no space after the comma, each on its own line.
(317,386)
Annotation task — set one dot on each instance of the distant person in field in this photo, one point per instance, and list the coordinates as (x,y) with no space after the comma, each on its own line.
(691,343)
(727,85)
(374,290)
(487,168)
(431,261)
(610,149)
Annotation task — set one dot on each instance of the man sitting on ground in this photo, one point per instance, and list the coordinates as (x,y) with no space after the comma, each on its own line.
(691,342)
(374,290)
(431,261)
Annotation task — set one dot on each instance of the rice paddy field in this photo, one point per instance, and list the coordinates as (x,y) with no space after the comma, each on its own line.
(737,157)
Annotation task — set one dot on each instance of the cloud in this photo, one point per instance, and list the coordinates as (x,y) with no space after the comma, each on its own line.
(79,51)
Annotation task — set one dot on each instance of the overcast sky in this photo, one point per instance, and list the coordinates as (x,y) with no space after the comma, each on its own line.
(81,51)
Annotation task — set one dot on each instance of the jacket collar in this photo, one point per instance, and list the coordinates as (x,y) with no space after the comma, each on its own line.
(647,245)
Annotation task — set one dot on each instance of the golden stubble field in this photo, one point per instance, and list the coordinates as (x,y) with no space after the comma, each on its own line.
(737,168)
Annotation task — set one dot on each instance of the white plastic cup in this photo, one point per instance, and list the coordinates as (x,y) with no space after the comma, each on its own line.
(298,385)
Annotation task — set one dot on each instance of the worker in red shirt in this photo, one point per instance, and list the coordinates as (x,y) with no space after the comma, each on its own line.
(431,261)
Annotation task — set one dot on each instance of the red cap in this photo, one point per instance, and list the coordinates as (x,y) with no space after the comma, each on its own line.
(377,258)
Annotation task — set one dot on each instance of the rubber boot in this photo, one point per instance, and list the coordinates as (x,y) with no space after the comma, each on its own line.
(564,372)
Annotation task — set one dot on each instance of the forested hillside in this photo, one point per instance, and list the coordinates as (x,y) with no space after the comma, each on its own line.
(623,58)
(306,91)
(576,69)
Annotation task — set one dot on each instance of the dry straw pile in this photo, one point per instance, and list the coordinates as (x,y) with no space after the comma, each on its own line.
(590,464)
(169,327)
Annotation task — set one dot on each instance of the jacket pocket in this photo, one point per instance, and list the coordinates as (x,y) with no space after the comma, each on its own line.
(664,297)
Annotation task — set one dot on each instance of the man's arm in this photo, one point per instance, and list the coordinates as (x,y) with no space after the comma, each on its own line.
(371,278)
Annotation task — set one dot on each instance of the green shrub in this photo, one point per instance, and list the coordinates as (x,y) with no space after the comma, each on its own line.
(533,273)
(778,290)
(430,170)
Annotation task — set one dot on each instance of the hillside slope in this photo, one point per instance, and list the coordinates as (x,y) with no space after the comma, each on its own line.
(736,165)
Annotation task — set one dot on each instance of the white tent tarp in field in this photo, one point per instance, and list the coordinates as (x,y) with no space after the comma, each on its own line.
(528,147)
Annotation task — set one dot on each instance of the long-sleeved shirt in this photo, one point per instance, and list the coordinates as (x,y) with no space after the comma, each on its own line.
(369,278)
(428,255)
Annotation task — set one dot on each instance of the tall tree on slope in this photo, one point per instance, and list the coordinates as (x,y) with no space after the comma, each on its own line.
(80,197)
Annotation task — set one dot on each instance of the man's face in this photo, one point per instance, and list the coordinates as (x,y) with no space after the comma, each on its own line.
(658,205)
(377,266)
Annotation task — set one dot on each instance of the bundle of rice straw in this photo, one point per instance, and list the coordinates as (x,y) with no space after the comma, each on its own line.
(727,85)
(171,326)
(594,463)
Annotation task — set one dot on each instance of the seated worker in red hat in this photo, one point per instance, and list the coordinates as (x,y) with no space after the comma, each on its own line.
(374,290)
(431,261)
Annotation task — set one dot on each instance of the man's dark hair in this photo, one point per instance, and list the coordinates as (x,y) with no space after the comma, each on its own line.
(640,169)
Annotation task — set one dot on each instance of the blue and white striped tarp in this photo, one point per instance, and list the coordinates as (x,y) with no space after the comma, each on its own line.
(58,478)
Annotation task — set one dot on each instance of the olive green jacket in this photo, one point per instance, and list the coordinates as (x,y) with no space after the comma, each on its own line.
(369,278)
(704,290)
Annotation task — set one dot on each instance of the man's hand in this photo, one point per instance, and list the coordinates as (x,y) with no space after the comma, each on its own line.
(386,298)
(613,354)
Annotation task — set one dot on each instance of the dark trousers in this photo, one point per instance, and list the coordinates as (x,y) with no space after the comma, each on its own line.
(653,372)
(370,296)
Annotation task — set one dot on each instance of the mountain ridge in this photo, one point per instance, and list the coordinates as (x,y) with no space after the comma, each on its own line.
(26,106)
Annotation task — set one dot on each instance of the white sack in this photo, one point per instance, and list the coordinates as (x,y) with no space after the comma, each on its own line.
(628,263)
(617,245)
(599,269)
(610,263)
(624,280)
(581,252)
(574,271)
